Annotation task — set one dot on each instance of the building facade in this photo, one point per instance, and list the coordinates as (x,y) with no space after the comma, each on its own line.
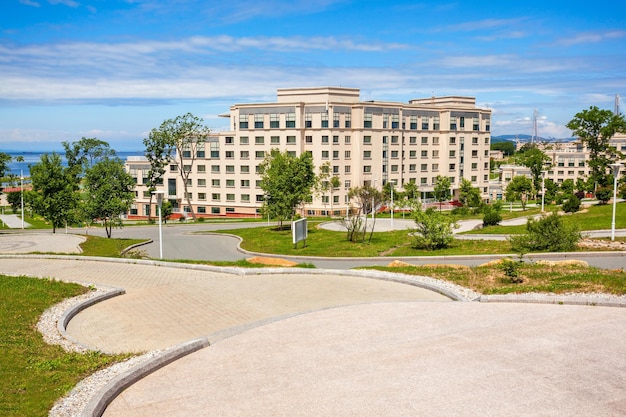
(360,142)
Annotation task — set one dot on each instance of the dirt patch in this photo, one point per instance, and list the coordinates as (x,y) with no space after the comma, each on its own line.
(399,264)
(271,261)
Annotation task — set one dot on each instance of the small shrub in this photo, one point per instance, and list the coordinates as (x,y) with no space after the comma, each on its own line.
(201,219)
(492,216)
(604,194)
(434,229)
(572,205)
(547,234)
(511,270)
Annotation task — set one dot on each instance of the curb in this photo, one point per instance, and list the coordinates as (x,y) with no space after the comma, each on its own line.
(598,300)
(100,401)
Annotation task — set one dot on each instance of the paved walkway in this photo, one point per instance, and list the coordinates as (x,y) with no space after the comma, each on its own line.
(312,344)
(12,221)
(40,242)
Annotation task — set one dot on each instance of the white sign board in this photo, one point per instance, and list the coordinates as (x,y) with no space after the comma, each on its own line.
(299,230)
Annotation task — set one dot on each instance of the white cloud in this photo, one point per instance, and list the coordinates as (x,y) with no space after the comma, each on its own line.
(590,37)
(69,3)
(30,3)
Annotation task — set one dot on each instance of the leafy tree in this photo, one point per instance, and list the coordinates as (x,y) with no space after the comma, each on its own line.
(86,152)
(595,128)
(518,189)
(536,160)
(4,163)
(109,191)
(411,191)
(549,233)
(55,189)
(469,195)
(335,183)
(434,230)
(507,147)
(552,189)
(287,182)
(14,198)
(159,153)
(442,189)
(181,137)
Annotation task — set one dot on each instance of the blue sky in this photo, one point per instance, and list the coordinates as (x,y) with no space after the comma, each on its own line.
(114,69)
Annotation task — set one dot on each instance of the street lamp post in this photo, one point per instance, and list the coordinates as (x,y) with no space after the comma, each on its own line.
(159,197)
(543,188)
(22,194)
(391,186)
(616,167)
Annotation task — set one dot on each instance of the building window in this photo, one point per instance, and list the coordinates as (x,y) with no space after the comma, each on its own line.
(259,140)
(308,139)
(348,121)
(186,153)
(452,141)
(245,183)
(325,139)
(173,168)
(346,169)
(347,184)
(230,169)
(275,140)
(324,119)
(201,196)
(245,169)
(230,210)
(335,140)
(424,154)
(274,121)
(367,168)
(435,153)
(425,122)
(335,154)
(347,140)
(474,141)
(243,121)
(215,210)
(394,154)
(452,122)
(324,154)
(258,121)
(335,119)
(474,154)
(436,123)
(308,120)
(346,155)
(215,169)
(215,197)
(201,182)
(335,169)
(394,140)
(215,183)
(259,154)
(452,167)
(291,140)
(412,140)
(413,122)
(201,209)
(230,183)
(474,166)
(243,140)
(245,198)
(201,168)
(413,154)
(244,154)
(367,154)
(452,153)
(367,121)
(394,168)
(423,167)
(367,140)
(291,120)
(229,140)
(435,167)
(230,197)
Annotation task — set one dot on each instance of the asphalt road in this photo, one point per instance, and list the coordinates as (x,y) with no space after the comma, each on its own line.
(180,241)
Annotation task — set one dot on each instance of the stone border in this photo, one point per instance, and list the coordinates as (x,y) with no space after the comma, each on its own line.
(600,300)
(100,401)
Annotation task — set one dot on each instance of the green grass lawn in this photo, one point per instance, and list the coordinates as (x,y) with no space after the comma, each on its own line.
(102,246)
(35,374)
(536,278)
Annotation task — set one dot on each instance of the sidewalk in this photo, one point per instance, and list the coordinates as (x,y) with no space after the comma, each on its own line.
(313,343)
(13,221)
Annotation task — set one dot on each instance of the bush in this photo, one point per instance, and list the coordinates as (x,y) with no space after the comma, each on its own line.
(511,270)
(548,234)
(434,229)
(572,205)
(492,214)
(604,194)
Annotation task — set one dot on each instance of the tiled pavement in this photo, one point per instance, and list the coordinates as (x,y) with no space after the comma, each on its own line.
(378,352)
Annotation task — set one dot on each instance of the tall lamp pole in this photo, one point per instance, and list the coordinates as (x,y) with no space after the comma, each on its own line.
(391,185)
(22,194)
(543,188)
(159,197)
(616,167)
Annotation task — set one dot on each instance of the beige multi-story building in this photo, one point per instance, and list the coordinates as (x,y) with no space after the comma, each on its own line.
(568,161)
(362,143)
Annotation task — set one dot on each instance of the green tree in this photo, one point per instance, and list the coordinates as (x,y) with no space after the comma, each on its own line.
(552,189)
(183,137)
(366,199)
(55,189)
(549,233)
(492,214)
(507,147)
(287,182)
(4,163)
(595,128)
(469,195)
(442,189)
(109,191)
(536,160)
(86,152)
(434,230)
(604,194)
(518,189)
(159,153)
